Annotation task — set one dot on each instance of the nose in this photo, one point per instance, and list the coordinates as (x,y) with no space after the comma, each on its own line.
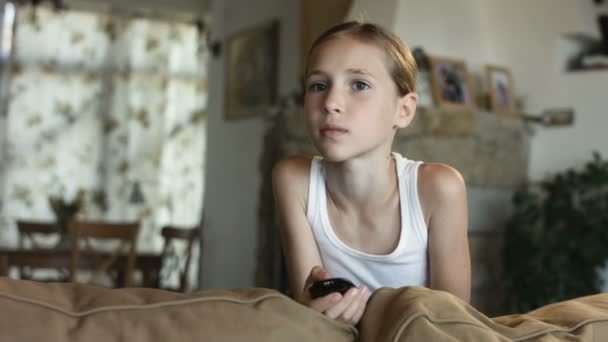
(334,101)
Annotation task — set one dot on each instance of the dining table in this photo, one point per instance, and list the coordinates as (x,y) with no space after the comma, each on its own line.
(148,263)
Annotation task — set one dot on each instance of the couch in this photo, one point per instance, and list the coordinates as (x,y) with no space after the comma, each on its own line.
(52,312)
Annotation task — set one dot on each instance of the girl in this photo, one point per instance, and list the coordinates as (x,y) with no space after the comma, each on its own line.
(361,212)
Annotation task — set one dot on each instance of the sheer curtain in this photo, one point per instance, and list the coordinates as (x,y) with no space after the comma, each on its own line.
(111,105)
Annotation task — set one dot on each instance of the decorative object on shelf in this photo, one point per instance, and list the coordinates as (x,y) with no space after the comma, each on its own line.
(585,52)
(555,241)
(64,211)
(500,86)
(452,84)
(424,87)
(552,117)
(251,71)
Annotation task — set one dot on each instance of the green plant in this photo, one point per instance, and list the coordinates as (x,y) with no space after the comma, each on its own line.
(557,238)
(66,210)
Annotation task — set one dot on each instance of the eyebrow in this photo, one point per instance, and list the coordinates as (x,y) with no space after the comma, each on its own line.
(354,71)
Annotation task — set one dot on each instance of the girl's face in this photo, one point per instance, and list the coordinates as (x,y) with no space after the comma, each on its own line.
(351,101)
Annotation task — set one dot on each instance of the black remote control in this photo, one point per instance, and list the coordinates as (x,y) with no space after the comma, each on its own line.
(327,286)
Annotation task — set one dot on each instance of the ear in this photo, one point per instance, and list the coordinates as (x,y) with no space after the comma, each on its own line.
(406,109)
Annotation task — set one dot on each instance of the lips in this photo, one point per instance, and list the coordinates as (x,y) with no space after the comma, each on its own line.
(332,131)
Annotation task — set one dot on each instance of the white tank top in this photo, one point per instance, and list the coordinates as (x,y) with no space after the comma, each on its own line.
(404,266)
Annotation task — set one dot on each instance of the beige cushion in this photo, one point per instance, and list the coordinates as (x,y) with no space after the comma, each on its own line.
(420,314)
(74,312)
(49,312)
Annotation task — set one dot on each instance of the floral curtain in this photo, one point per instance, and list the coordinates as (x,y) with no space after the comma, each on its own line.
(114,106)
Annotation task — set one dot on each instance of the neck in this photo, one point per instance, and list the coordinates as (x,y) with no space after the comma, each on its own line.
(361,183)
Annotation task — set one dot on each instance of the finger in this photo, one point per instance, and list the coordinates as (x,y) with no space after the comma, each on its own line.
(308,282)
(350,313)
(361,309)
(316,273)
(319,273)
(322,304)
(336,311)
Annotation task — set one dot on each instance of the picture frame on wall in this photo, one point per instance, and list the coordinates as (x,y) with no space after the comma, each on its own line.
(452,86)
(251,73)
(500,86)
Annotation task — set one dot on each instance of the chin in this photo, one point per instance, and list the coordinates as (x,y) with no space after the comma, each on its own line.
(333,155)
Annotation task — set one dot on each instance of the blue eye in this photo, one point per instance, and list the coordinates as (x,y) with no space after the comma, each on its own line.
(317,87)
(359,85)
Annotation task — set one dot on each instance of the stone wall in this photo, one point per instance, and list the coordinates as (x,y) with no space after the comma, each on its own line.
(490,151)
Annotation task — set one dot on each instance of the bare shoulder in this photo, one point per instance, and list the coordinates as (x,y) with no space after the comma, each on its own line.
(292,169)
(290,177)
(438,184)
(439,177)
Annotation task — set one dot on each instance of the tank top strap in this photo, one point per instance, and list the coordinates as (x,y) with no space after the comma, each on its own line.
(408,191)
(315,186)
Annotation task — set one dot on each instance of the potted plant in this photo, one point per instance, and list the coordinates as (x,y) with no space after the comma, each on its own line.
(557,238)
(64,211)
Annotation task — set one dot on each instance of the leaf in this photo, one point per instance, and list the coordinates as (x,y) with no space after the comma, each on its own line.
(555,239)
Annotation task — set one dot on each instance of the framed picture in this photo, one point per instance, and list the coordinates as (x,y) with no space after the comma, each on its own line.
(452,86)
(251,71)
(500,84)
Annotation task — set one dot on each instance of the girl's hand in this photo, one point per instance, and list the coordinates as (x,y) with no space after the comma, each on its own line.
(347,308)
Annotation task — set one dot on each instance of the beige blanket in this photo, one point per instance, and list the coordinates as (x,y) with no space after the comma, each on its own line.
(73,312)
(420,314)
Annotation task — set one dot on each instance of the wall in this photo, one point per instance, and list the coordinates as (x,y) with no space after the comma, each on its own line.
(234,148)
(490,32)
(457,35)
(383,12)
(539,76)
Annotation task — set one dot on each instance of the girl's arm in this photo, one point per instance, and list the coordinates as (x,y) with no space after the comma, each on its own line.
(290,182)
(444,201)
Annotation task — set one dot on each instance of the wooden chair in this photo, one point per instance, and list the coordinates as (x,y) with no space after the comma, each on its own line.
(31,234)
(35,235)
(118,265)
(180,264)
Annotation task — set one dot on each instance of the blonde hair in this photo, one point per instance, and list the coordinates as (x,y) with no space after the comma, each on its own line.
(402,65)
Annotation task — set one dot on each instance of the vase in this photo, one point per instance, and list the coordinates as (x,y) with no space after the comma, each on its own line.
(64,234)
